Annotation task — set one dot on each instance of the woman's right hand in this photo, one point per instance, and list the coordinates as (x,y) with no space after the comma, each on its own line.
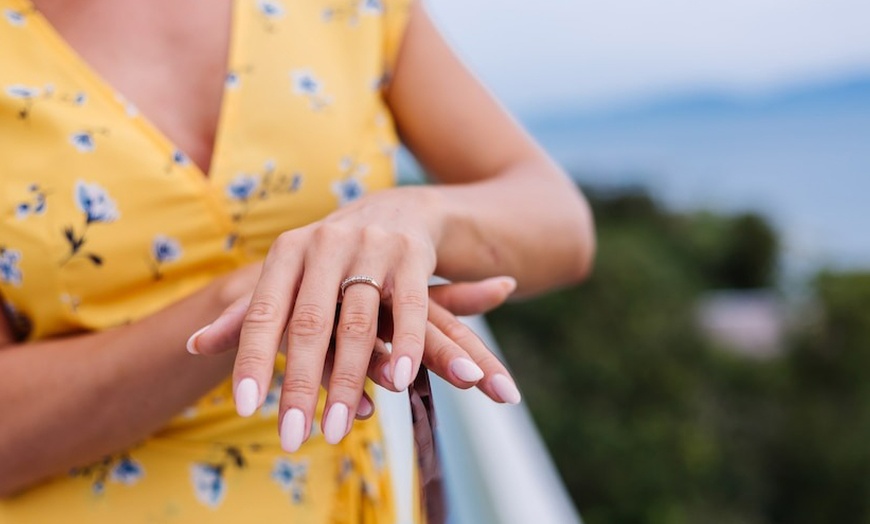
(451,349)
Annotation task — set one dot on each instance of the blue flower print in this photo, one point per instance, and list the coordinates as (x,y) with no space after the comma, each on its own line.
(180,158)
(163,251)
(350,187)
(232,80)
(83,141)
(306,84)
(177,159)
(127,471)
(97,207)
(270,8)
(376,450)
(242,186)
(22,91)
(35,204)
(111,470)
(16,18)
(209,485)
(374,7)
(291,477)
(95,202)
(9,271)
(270,11)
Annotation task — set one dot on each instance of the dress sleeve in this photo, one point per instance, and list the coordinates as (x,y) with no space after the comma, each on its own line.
(396,15)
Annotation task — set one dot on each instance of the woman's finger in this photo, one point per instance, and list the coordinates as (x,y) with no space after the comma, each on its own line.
(366,406)
(473,298)
(263,325)
(308,334)
(410,305)
(354,340)
(497,382)
(447,359)
(222,334)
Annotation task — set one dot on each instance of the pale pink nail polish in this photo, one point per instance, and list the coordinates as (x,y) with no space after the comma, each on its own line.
(292,430)
(505,388)
(335,425)
(365,408)
(402,373)
(191,342)
(247,397)
(465,370)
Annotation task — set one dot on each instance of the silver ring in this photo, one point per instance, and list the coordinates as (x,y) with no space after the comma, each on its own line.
(359,279)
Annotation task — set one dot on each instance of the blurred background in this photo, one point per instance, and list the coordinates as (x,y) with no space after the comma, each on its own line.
(716,367)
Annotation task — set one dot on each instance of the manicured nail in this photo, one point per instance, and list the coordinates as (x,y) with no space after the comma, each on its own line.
(465,370)
(506,389)
(335,426)
(365,408)
(247,397)
(402,373)
(191,342)
(509,283)
(292,430)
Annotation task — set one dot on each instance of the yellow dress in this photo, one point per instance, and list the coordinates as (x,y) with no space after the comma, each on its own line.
(103,221)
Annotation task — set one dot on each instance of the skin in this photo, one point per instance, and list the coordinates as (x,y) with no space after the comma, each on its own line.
(499,193)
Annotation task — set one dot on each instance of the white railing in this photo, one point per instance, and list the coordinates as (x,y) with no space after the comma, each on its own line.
(497,470)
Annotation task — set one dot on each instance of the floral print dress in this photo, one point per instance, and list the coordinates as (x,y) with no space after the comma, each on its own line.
(104,221)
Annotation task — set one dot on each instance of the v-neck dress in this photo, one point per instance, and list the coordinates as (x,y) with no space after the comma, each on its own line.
(103,221)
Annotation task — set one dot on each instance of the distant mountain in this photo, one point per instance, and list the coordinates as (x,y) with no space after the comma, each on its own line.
(852,92)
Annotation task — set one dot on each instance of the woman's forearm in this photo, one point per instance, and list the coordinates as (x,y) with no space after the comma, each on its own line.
(529,222)
(68,401)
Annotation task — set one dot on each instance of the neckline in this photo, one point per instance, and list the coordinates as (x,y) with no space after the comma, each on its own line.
(74,61)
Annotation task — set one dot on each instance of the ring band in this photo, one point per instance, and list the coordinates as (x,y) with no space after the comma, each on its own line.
(359,279)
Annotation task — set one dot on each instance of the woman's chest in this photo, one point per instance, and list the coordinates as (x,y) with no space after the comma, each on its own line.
(168,58)
(104,217)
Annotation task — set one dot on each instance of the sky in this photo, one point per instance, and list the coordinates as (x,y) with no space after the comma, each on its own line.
(549,54)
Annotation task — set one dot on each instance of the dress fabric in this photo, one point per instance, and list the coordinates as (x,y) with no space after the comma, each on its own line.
(103,222)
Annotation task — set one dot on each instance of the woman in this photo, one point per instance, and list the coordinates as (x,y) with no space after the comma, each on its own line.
(153,153)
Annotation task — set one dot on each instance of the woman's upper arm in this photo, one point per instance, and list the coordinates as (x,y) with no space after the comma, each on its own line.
(7,338)
(451,123)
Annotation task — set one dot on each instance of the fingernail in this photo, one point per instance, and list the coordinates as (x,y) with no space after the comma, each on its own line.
(292,430)
(465,370)
(385,373)
(506,389)
(509,283)
(335,426)
(402,373)
(191,342)
(365,408)
(247,397)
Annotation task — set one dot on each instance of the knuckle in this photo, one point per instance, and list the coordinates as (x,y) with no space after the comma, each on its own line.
(283,242)
(411,300)
(409,340)
(252,362)
(346,380)
(330,232)
(263,310)
(374,235)
(357,324)
(299,384)
(307,320)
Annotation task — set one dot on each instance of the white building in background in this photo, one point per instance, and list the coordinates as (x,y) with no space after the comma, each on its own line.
(752,323)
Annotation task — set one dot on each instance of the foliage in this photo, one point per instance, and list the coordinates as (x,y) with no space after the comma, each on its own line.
(648,422)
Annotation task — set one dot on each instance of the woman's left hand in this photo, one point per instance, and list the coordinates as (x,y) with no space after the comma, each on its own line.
(391,237)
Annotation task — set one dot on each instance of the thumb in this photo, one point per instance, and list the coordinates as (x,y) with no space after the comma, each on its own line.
(473,298)
(222,334)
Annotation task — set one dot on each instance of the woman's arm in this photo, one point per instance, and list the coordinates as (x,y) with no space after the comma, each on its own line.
(505,207)
(72,400)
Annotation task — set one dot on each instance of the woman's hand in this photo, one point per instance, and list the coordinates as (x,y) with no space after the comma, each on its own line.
(391,237)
